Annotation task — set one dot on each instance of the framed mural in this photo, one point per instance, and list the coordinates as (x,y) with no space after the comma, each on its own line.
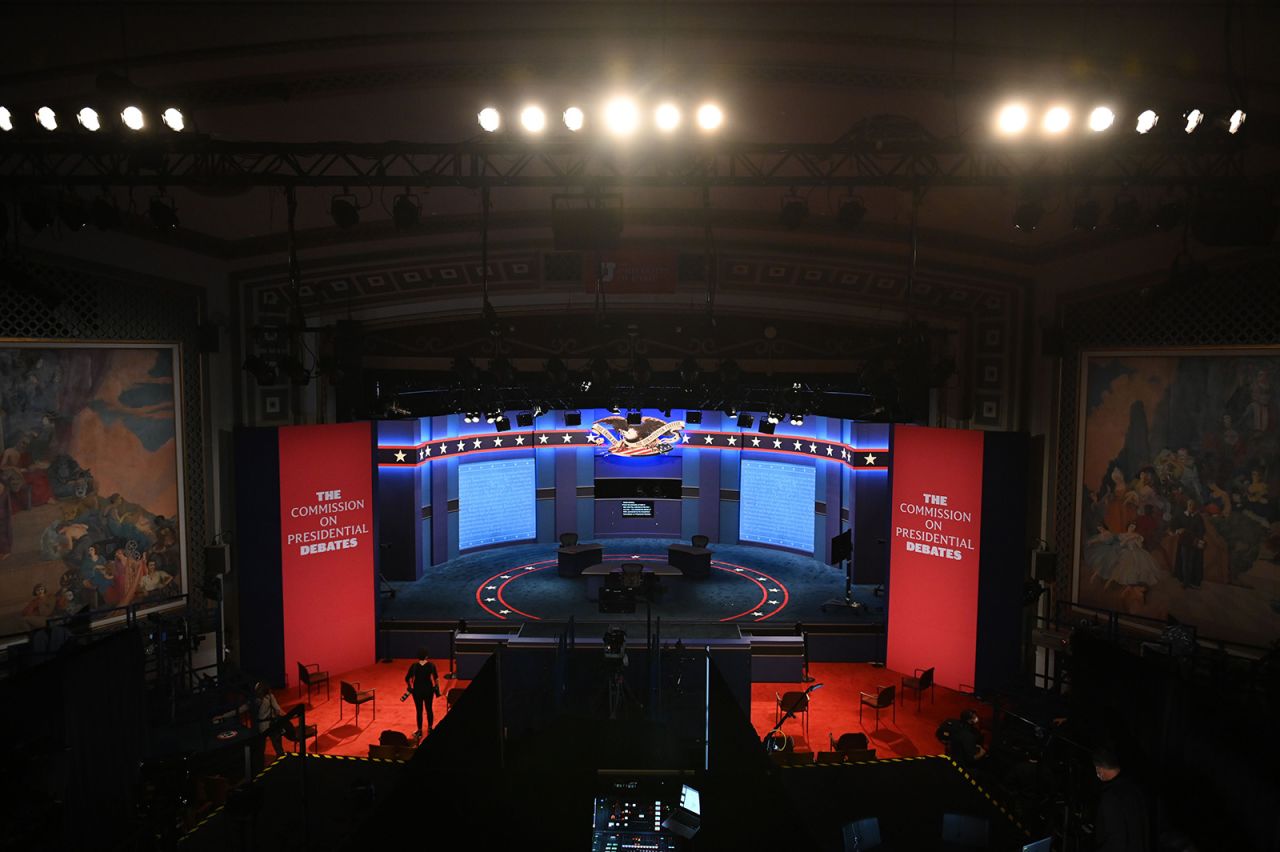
(91,508)
(1178,468)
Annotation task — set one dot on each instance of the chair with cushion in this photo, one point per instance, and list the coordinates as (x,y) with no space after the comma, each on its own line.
(920,681)
(700,541)
(351,693)
(309,675)
(796,703)
(883,697)
(848,742)
(568,539)
(311,732)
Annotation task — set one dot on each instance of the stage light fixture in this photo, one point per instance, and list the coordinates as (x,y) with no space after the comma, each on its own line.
(767,428)
(345,210)
(89,120)
(490,119)
(6,119)
(774,417)
(105,212)
(710,117)
(524,419)
(573,418)
(47,118)
(574,118)
(1193,119)
(174,119)
(1012,119)
(406,211)
(1027,215)
(745,421)
(851,213)
(72,210)
(1056,120)
(621,117)
(1101,119)
(1147,121)
(793,211)
(163,213)
(501,423)
(1233,124)
(1087,215)
(533,119)
(666,117)
(36,213)
(133,118)
(693,417)
(471,417)
(797,420)
(634,417)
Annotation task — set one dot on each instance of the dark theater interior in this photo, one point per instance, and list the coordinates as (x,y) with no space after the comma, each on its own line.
(620,425)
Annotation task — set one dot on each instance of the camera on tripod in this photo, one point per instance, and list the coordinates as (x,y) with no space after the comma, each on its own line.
(615,646)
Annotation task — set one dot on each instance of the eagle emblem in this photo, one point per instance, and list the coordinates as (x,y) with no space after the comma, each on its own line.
(650,437)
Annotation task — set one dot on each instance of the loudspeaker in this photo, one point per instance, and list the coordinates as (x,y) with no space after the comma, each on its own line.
(1044,565)
(217,561)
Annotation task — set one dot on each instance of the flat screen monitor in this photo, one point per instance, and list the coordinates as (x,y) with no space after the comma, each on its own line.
(690,800)
(637,508)
(842,547)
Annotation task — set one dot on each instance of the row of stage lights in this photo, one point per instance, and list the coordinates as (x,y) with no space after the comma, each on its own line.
(132,118)
(619,117)
(768,421)
(1015,119)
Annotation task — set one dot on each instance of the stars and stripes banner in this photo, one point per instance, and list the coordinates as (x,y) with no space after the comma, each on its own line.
(856,458)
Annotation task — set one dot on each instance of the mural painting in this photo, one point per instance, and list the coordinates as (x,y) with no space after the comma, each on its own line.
(1179,470)
(90,479)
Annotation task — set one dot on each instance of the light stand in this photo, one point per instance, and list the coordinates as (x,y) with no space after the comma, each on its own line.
(848,603)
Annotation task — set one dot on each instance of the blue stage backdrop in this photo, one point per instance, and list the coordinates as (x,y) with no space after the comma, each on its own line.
(496,502)
(777,504)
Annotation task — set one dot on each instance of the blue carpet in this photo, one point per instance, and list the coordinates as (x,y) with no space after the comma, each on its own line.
(748,585)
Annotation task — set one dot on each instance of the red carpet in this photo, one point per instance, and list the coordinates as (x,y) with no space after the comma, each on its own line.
(343,735)
(833,710)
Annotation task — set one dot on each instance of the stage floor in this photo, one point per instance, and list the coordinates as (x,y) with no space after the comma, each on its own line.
(748,585)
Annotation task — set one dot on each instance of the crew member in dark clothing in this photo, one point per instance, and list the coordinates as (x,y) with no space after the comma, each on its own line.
(965,744)
(1122,824)
(422,681)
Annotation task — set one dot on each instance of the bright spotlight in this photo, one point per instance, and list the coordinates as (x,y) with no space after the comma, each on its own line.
(1233,124)
(133,118)
(533,119)
(1101,119)
(1012,119)
(574,119)
(667,117)
(621,116)
(47,118)
(88,118)
(710,117)
(1147,121)
(174,119)
(1056,120)
(6,119)
(1194,118)
(489,119)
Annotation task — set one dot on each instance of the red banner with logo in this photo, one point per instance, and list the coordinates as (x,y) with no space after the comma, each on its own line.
(934,552)
(326,539)
(631,271)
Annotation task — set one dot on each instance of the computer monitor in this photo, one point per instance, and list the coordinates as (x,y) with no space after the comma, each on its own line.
(1045,845)
(686,819)
(690,800)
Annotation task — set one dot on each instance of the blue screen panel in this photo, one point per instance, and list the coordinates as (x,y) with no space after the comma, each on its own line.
(777,504)
(496,502)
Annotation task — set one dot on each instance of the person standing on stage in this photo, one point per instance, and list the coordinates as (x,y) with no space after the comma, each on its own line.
(964,746)
(1122,823)
(422,681)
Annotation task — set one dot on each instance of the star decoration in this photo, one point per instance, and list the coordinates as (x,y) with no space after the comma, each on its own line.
(504,612)
(738,570)
(796,444)
(426,451)
(772,601)
(871,459)
(777,442)
(491,587)
(490,600)
(444,448)
(542,439)
(400,455)
(733,442)
(763,579)
(568,439)
(476,442)
(813,448)
(772,589)
(684,438)
(830,450)
(505,577)
(755,442)
(758,614)
(519,440)
(462,445)
(709,439)
(497,442)
(529,568)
